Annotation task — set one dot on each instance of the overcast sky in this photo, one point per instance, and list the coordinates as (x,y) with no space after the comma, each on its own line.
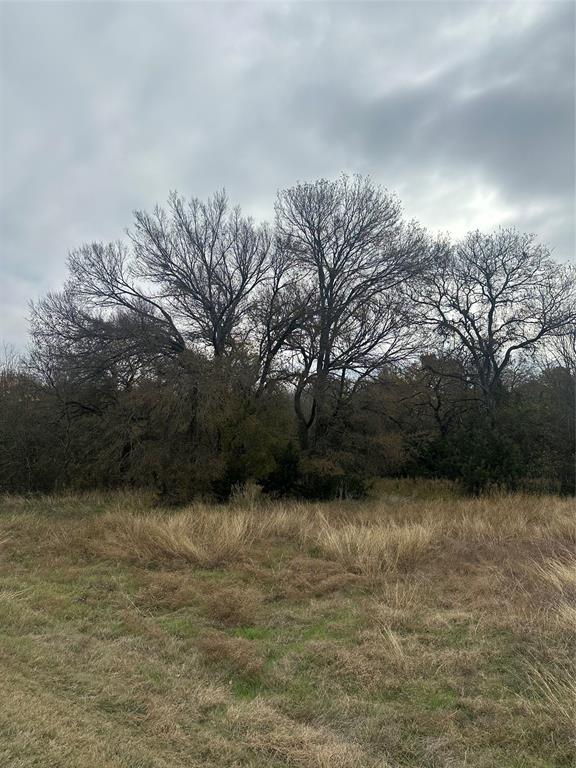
(465,109)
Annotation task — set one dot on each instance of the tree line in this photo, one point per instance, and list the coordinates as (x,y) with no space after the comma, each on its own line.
(339,344)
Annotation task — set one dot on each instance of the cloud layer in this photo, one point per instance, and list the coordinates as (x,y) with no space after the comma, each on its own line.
(465,109)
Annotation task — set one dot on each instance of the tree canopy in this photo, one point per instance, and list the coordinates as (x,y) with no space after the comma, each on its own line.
(336,344)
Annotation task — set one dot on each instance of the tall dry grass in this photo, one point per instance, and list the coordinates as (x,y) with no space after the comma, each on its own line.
(204,538)
(560,574)
(557,686)
(350,632)
(374,549)
(371,538)
(556,689)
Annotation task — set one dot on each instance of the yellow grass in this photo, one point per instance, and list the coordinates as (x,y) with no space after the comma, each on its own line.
(273,735)
(560,574)
(417,629)
(195,535)
(372,549)
(557,687)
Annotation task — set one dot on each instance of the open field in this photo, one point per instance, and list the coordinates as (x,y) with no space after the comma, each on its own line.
(423,630)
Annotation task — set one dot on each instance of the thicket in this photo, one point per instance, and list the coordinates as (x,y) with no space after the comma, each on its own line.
(340,344)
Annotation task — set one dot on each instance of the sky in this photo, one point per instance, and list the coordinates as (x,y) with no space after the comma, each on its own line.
(464,109)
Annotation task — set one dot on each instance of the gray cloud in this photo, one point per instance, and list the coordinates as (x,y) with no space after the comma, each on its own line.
(465,109)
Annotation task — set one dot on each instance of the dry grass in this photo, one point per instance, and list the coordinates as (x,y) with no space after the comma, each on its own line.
(236,653)
(560,573)
(390,633)
(566,617)
(556,684)
(274,735)
(232,606)
(373,549)
(557,689)
(204,538)
(396,649)
(166,591)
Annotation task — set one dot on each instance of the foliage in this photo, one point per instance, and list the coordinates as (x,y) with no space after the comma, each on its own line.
(340,345)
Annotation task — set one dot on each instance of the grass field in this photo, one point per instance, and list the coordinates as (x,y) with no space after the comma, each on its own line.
(414,629)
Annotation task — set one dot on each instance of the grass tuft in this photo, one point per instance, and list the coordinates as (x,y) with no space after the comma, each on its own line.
(205,539)
(556,688)
(374,549)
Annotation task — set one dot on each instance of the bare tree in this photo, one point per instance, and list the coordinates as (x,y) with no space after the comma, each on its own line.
(207,262)
(355,253)
(77,344)
(493,298)
(561,350)
(188,279)
(276,316)
(106,278)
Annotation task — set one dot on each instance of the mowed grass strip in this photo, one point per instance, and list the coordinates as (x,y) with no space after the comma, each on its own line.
(417,628)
